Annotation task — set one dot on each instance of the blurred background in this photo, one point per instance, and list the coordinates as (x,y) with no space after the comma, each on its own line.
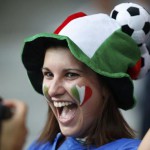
(20,19)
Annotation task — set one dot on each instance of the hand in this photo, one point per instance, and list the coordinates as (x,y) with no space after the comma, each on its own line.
(14,131)
(145,144)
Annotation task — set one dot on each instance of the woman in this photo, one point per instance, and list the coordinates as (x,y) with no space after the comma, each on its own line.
(84,70)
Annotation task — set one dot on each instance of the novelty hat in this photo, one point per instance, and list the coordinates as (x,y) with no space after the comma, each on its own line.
(111,46)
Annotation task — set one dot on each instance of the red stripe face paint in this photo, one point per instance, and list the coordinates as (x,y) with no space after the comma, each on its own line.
(81,94)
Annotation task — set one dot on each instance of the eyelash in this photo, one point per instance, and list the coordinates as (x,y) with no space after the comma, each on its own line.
(68,75)
(47,74)
(71,75)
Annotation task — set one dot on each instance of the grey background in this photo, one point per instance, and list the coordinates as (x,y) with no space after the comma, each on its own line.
(20,19)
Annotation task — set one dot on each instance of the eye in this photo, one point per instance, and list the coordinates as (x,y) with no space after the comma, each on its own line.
(47,74)
(71,75)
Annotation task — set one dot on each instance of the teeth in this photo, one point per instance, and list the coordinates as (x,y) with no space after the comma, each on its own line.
(61,104)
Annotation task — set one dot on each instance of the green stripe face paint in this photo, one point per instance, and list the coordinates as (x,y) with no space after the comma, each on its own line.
(81,94)
(45,91)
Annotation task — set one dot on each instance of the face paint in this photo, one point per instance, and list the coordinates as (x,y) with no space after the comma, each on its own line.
(81,94)
(45,91)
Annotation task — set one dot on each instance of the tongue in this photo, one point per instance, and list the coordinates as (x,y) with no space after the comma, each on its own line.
(68,112)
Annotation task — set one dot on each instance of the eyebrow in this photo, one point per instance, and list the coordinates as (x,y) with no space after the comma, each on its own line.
(44,68)
(75,69)
(67,69)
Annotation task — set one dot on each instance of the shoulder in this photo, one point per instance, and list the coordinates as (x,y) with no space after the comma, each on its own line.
(121,144)
(44,145)
(131,144)
(40,146)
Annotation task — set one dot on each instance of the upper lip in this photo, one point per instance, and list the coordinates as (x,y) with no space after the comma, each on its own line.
(62,102)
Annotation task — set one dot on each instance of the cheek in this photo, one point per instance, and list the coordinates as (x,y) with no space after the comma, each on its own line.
(81,94)
(91,109)
(94,105)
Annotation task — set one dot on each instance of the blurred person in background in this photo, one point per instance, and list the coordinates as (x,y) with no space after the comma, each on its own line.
(144,105)
(145,98)
(104,6)
(13,130)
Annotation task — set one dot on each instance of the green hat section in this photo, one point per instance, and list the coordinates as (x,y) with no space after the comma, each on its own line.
(111,60)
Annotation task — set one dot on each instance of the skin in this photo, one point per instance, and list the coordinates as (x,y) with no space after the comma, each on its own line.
(81,94)
(145,144)
(14,130)
(59,77)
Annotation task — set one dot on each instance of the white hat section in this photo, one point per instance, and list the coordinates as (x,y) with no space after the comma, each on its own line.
(91,31)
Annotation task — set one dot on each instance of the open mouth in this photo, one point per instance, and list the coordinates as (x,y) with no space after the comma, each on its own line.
(65,110)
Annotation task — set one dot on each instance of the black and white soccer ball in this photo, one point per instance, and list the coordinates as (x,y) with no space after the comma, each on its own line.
(134,20)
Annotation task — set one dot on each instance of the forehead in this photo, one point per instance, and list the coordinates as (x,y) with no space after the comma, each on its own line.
(56,55)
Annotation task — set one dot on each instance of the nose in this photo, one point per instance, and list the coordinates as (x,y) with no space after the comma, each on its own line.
(56,88)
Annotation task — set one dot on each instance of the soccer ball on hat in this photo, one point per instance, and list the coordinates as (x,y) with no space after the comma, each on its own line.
(134,20)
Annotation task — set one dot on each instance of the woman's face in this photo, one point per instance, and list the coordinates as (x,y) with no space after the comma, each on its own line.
(73,91)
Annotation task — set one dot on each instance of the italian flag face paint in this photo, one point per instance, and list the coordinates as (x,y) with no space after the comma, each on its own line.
(45,90)
(81,94)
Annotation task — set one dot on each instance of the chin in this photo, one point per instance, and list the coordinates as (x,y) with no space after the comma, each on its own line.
(71,132)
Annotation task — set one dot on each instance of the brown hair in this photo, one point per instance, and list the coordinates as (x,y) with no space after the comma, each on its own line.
(109,126)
